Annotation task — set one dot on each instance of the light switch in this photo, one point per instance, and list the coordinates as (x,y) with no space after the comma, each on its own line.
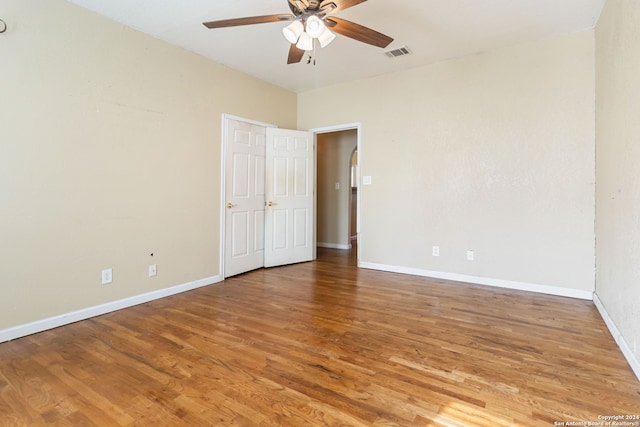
(337,185)
(366,180)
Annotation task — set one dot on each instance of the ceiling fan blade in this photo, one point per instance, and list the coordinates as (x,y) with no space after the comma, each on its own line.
(341,4)
(295,54)
(357,32)
(235,22)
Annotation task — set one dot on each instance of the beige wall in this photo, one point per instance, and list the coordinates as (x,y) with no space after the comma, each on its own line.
(109,151)
(334,166)
(618,167)
(492,153)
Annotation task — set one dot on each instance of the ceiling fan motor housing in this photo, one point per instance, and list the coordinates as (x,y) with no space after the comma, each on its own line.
(311,7)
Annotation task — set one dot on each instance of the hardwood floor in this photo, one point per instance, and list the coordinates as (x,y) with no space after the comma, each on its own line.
(324,343)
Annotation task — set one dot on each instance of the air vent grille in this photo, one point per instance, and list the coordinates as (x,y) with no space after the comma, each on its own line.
(403,51)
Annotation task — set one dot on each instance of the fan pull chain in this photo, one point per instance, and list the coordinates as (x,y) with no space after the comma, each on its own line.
(312,57)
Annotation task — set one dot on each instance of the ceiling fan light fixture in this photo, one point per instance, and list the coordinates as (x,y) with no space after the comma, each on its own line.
(315,26)
(305,42)
(326,37)
(293,31)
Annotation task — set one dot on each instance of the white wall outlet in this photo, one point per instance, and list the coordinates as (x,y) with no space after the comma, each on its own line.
(470,256)
(107,276)
(366,180)
(153,270)
(435,251)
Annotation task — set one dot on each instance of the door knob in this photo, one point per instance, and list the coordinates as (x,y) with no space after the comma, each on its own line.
(230,205)
(270,203)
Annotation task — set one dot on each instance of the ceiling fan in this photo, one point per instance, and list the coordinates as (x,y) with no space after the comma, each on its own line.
(312,20)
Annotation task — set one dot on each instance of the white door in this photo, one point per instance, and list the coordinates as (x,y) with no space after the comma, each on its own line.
(289,214)
(244,197)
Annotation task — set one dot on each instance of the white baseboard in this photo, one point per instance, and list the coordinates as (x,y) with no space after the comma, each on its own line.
(521,286)
(617,336)
(333,246)
(85,313)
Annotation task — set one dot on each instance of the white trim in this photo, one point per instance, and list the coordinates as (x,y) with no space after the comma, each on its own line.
(243,119)
(85,313)
(617,336)
(314,235)
(333,246)
(337,128)
(509,284)
(223,186)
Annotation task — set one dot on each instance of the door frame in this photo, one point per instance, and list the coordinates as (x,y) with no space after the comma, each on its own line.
(223,164)
(326,129)
(337,128)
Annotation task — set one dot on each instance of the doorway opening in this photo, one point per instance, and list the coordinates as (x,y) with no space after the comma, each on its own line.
(338,175)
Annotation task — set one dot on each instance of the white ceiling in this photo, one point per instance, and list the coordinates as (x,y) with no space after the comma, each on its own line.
(433,30)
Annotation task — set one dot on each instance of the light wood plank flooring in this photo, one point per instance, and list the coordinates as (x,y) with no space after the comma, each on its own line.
(324,343)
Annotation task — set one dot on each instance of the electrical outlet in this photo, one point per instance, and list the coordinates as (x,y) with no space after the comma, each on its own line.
(470,256)
(153,269)
(107,276)
(435,251)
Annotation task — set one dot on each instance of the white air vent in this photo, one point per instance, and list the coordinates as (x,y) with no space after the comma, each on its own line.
(398,52)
